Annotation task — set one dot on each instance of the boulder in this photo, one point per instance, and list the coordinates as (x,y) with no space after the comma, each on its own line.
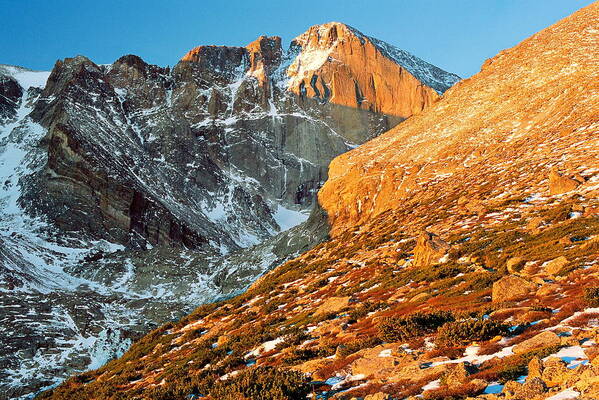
(414,372)
(478,385)
(514,264)
(535,368)
(547,289)
(510,288)
(559,184)
(332,327)
(555,371)
(535,224)
(458,374)
(532,388)
(222,339)
(588,382)
(532,316)
(554,266)
(543,339)
(332,304)
(380,360)
(429,250)
(312,367)
(510,388)
(475,206)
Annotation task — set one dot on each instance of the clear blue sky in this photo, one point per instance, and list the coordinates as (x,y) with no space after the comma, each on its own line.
(457,35)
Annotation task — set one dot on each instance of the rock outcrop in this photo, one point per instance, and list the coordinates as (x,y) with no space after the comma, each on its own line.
(429,250)
(540,341)
(555,266)
(511,288)
(559,184)
(10,96)
(373,75)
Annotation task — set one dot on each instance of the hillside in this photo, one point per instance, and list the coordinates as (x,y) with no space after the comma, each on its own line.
(463,259)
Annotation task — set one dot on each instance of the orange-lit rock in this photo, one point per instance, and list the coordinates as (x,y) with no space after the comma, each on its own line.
(338,64)
(429,250)
(559,184)
(520,115)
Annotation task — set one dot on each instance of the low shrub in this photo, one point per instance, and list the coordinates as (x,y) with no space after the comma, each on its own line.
(395,329)
(356,345)
(469,330)
(458,392)
(298,355)
(444,351)
(591,296)
(265,383)
(362,310)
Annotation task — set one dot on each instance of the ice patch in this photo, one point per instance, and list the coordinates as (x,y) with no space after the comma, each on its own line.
(287,218)
(265,347)
(493,388)
(385,353)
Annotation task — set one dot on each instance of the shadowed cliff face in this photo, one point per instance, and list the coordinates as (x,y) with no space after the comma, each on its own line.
(132,192)
(10,95)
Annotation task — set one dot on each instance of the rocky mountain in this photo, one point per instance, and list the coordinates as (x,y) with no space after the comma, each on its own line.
(462,260)
(133,193)
(224,149)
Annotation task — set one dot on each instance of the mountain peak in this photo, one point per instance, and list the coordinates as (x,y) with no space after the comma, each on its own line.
(328,33)
(332,34)
(336,63)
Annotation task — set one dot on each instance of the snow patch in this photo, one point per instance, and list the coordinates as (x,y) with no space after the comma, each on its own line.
(565,395)
(27,78)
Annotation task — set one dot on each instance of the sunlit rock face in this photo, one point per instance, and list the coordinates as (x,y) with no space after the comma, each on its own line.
(530,109)
(132,192)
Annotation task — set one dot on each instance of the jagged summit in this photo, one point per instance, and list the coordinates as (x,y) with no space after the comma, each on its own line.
(336,63)
(331,33)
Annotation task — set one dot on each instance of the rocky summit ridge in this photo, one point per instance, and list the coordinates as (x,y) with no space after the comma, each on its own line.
(462,263)
(132,192)
(336,63)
